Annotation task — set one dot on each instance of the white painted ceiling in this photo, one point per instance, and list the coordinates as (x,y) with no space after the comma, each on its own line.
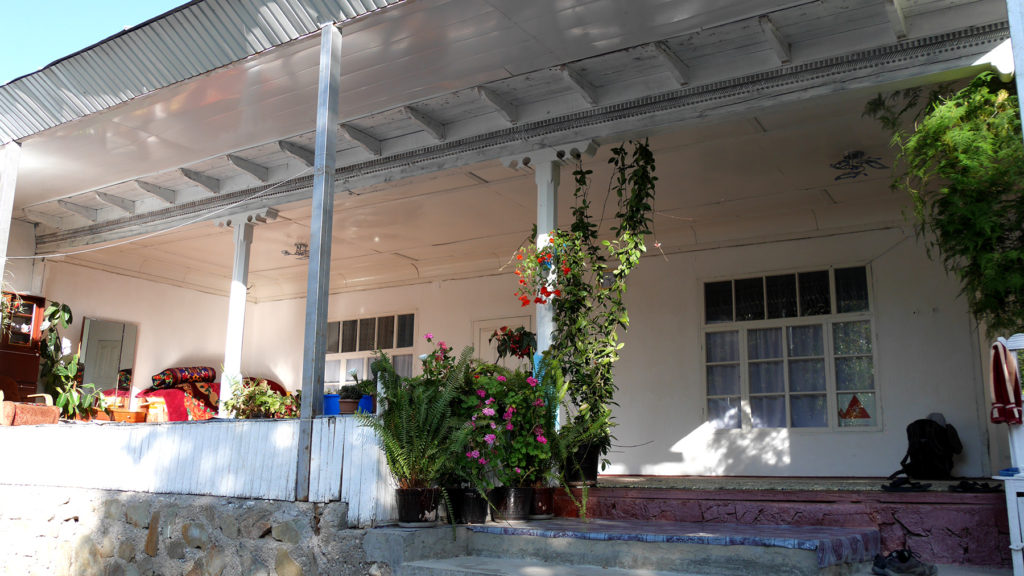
(756,172)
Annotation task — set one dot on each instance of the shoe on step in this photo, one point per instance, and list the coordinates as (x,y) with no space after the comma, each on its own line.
(900,562)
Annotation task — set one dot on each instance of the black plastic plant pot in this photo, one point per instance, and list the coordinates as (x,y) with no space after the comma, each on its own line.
(417,507)
(511,503)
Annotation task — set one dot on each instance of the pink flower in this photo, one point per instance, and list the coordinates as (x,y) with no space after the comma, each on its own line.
(473,454)
(538,402)
(531,381)
(493,425)
(487,411)
(428,336)
(489,401)
(442,345)
(500,378)
(481,393)
(542,440)
(508,426)
(518,471)
(490,438)
(482,461)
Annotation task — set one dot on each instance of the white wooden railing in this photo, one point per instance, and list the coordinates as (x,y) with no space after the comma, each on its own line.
(235,458)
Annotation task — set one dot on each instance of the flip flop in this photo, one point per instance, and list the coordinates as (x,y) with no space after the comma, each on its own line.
(905,485)
(974,487)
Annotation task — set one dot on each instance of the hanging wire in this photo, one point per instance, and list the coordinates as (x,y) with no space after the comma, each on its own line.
(199,218)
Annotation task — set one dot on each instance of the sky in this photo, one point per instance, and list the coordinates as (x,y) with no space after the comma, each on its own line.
(34,33)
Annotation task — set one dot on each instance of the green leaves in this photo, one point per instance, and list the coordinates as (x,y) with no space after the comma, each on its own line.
(964,171)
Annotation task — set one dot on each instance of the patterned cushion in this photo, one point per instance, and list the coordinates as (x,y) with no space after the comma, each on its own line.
(172,376)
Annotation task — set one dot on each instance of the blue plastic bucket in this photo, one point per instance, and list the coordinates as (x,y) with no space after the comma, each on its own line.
(332,405)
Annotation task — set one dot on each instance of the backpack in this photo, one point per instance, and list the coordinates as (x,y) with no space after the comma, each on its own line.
(930,450)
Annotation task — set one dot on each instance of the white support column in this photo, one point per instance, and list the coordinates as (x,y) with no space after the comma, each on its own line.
(320,236)
(10,154)
(232,370)
(1015,13)
(547,175)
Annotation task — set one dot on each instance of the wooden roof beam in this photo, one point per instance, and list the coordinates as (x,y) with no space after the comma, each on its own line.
(428,124)
(90,214)
(580,84)
(775,39)
(117,201)
(679,70)
(166,194)
(305,155)
(364,140)
(260,172)
(894,10)
(504,108)
(40,218)
(208,182)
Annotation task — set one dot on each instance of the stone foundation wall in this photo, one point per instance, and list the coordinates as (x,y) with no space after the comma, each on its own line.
(70,532)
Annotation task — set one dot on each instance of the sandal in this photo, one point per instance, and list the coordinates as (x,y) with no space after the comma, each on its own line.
(905,485)
(974,487)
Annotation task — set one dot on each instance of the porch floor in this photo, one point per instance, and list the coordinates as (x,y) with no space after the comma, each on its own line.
(860,484)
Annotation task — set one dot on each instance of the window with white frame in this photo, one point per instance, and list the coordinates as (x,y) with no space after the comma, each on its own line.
(351,345)
(790,351)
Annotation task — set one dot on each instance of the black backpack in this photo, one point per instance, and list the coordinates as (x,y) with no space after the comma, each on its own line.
(930,450)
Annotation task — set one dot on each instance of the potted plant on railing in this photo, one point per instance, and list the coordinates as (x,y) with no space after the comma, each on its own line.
(416,430)
(348,399)
(585,280)
(252,398)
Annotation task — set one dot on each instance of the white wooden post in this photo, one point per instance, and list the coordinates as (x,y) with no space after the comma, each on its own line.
(232,370)
(320,235)
(547,176)
(10,154)
(1015,13)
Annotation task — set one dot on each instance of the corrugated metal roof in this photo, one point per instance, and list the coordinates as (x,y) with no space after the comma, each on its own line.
(192,39)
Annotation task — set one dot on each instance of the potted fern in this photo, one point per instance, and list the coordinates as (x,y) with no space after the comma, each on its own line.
(416,429)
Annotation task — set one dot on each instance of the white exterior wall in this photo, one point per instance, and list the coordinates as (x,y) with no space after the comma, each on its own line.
(926,353)
(18,271)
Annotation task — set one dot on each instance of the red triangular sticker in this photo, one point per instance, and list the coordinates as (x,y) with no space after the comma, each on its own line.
(855,411)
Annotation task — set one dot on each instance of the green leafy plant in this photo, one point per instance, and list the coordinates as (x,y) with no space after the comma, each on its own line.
(78,400)
(252,398)
(516,342)
(54,349)
(584,277)
(350,392)
(8,303)
(415,427)
(963,168)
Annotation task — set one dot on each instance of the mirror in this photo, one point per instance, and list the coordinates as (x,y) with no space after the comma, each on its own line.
(108,351)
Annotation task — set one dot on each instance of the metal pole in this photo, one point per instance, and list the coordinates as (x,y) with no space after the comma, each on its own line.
(320,234)
(232,371)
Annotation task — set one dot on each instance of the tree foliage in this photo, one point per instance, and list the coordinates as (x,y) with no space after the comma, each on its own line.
(964,171)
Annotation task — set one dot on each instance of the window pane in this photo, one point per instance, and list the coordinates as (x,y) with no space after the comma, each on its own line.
(806,375)
(385,332)
(723,380)
(750,299)
(366,334)
(718,302)
(851,289)
(857,409)
(354,365)
(808,411)
(333,337)
(852,338)
(724,412)
(781,296)
(856,373)
(403,365)
(723,346)
(764,344)
(814,293)
(405,328)
(348,335)
(332,371)
(766,377)
(806,341)
(768,411)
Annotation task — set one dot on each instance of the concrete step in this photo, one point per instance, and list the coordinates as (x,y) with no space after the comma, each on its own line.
(631,547)
(476,565)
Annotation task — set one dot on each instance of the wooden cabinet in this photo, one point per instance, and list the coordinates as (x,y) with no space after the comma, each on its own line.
(19,348)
